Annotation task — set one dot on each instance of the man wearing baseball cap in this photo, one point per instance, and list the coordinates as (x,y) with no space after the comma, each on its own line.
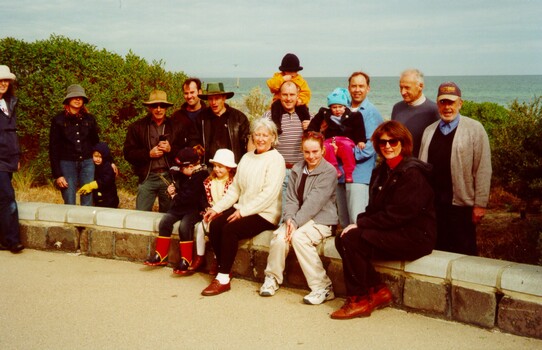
(458,148)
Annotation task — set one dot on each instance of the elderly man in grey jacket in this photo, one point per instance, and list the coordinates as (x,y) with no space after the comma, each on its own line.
(458,149)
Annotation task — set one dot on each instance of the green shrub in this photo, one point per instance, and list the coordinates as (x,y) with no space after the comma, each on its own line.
(254,104)
(116,87)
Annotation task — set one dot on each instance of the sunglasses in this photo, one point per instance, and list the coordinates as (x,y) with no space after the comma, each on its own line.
(384,142)
(156,105)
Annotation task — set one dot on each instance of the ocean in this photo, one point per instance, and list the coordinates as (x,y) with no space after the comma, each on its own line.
(500,89)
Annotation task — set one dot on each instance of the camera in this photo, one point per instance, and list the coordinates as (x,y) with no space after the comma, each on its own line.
(162,138)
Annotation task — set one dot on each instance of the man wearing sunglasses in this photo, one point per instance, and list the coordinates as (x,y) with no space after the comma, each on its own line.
(458,149)
(150,146)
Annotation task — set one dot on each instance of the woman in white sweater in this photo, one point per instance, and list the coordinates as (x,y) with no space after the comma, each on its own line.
(251,205)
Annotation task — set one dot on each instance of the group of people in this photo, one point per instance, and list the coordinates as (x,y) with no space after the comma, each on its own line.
(304,177)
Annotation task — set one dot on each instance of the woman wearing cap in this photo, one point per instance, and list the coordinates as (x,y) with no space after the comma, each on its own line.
(188,201)
(73,134)
(398,224)
(9,163)
(251,205)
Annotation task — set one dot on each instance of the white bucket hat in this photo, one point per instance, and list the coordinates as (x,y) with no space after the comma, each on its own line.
(225,157)
(5,73)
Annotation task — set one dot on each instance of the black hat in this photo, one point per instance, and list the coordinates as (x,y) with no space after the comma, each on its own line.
(290,63)
(187,156)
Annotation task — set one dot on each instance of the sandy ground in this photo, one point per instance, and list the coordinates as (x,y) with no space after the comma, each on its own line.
(62,301)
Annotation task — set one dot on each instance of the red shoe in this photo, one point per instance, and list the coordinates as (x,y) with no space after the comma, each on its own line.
(198,262)
(380,297)
(357,306)
(215,288)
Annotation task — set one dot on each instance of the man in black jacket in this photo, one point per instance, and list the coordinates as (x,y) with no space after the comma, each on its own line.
(150,146)
(220,125)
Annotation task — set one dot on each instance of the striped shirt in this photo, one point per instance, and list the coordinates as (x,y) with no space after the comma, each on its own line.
(290,140)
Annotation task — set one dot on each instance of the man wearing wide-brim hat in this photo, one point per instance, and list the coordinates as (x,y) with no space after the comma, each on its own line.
(220,125)
(150,147)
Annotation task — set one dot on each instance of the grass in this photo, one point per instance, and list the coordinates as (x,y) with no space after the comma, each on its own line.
(502,234)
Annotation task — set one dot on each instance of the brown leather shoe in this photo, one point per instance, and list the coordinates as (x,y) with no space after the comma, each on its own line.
(198,262)
(357,306)
(380,297)
(215,288)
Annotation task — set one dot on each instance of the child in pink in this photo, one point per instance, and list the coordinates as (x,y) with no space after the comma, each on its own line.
(343,130)
(216,185)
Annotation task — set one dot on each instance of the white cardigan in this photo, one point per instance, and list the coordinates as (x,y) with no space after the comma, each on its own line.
(257,186)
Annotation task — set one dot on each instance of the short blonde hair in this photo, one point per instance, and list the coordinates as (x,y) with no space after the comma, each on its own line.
(269,125)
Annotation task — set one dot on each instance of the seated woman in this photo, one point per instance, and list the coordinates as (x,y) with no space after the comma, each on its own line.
(251,205)
(309,216)
(399,223)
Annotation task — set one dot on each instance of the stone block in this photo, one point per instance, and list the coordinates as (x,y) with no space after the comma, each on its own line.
(132,246)
(259,259)
(82,215)
(294,276)
(33,236)
(335,273)
(426,296)
(101,243)
(523,278)
(84,241)
(263,239)
(143,221)
(329,248)
(29,210)
(65,238)
(474,307)
(437,264)
(520,317)
(54,212)
(242,266)
(478,270)
(396,285)
(113,217)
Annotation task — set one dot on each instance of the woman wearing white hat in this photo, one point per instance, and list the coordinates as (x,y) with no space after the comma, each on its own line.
(73,134)
(9,163)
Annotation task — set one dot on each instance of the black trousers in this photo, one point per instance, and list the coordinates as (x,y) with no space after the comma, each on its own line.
(456,232)
(225,236)
(358,247)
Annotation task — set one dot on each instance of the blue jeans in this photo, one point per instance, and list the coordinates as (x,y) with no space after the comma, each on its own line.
(186,224)
(352,199)
(77,174)
(9,215)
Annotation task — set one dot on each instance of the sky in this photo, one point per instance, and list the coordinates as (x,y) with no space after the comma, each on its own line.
(241,38)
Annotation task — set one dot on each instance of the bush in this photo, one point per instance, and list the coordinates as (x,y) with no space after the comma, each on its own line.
(116,87)
(254,104)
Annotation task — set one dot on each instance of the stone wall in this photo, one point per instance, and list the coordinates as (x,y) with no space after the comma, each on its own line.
(487,293)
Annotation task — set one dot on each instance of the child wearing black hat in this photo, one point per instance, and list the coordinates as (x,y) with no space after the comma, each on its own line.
(103,188)
(188,201)
(289,69)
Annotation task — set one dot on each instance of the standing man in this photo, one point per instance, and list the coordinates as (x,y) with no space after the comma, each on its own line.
(352,198)
(290,127)
(416,111)
(192,106)
(458,149)
(220,125)
(9,163)
(150,146)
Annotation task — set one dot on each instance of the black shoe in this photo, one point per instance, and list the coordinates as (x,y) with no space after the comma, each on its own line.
(16,248)
(155,260)
(182,268)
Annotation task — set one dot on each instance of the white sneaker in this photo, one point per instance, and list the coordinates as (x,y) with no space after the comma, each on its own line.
(269,287)
(319,296)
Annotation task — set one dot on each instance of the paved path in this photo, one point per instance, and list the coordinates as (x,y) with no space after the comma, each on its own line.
(60,301)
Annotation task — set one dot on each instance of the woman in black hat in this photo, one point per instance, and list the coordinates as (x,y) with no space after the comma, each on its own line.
(73,134)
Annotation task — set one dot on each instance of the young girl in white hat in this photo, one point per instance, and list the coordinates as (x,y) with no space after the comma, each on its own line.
(216,185)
